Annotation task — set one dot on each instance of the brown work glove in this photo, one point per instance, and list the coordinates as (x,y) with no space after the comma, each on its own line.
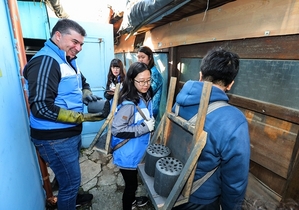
(69,116)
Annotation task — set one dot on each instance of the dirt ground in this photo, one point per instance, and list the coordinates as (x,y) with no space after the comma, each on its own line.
(102,178)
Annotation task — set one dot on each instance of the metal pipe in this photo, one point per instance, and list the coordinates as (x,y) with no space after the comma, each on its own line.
(19,46)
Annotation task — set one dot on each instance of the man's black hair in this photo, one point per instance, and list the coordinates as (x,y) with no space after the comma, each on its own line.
(64,25)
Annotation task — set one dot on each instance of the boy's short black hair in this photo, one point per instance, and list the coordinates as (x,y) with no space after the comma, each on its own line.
(220,66)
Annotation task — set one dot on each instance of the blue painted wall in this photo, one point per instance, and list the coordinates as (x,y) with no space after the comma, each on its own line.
(34,19)
(20,180)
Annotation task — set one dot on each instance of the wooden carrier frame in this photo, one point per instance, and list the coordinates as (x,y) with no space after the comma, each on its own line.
(184,140)
(107,124)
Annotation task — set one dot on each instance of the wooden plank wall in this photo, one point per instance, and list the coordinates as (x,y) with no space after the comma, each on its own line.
(236,20)
(240,19)
(276,164)
(255,29)
(273,129)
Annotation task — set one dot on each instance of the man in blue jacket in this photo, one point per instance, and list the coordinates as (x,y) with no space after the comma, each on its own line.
(227,150)
(57,91)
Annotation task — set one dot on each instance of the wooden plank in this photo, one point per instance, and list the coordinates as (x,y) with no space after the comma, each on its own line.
(237,20)
(157,136)
(274,181)
(182,122)
(202,109)
(280,112)
(185,173)
(175,133)
(108,123)
(112,112)
(167,203)
(184,145)
(272,141)
(182,136)
(292,186)
(170,99)
(172,64)
(100,132)
(125,45)
(291,189)
(257,190)
(295,156)
(270,47)
(200,121)
(158,201)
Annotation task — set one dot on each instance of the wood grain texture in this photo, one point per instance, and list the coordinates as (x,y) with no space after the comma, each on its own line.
(236,20)
(272,47)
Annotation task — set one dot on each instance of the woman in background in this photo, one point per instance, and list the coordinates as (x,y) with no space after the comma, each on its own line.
(145,55)
(116,75)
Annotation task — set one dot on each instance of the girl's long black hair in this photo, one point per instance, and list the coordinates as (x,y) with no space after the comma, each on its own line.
(111,78)
(146,50)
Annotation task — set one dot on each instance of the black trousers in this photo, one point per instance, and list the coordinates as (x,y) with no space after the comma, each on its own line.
(131,184)
(192,206)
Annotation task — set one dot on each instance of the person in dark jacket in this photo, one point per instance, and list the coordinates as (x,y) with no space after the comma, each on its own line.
(145,55)
(116,75)
(131,129)
(57,91)
(227,148)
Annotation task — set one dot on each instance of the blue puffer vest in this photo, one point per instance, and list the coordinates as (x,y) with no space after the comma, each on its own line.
(69,90)
(130,154)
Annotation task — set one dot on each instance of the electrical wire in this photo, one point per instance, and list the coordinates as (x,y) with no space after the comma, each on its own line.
(206,10)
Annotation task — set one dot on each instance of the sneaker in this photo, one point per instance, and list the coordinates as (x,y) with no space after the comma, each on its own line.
(134,205)
(51,203)
(83,199)
(141,201)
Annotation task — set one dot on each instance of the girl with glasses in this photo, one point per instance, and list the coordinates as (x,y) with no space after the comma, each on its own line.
(131,129)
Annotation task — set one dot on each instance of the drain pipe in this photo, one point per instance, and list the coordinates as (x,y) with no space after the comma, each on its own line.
(19,46)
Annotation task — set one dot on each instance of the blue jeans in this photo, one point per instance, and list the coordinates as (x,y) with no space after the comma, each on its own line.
(62,155)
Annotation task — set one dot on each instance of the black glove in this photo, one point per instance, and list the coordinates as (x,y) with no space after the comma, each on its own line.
(102,106)
(88,96)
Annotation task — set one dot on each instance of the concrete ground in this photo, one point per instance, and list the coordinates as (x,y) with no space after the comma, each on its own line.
(103,179)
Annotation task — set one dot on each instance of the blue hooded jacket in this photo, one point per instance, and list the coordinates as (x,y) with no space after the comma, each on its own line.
(227,146)
(157,85)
